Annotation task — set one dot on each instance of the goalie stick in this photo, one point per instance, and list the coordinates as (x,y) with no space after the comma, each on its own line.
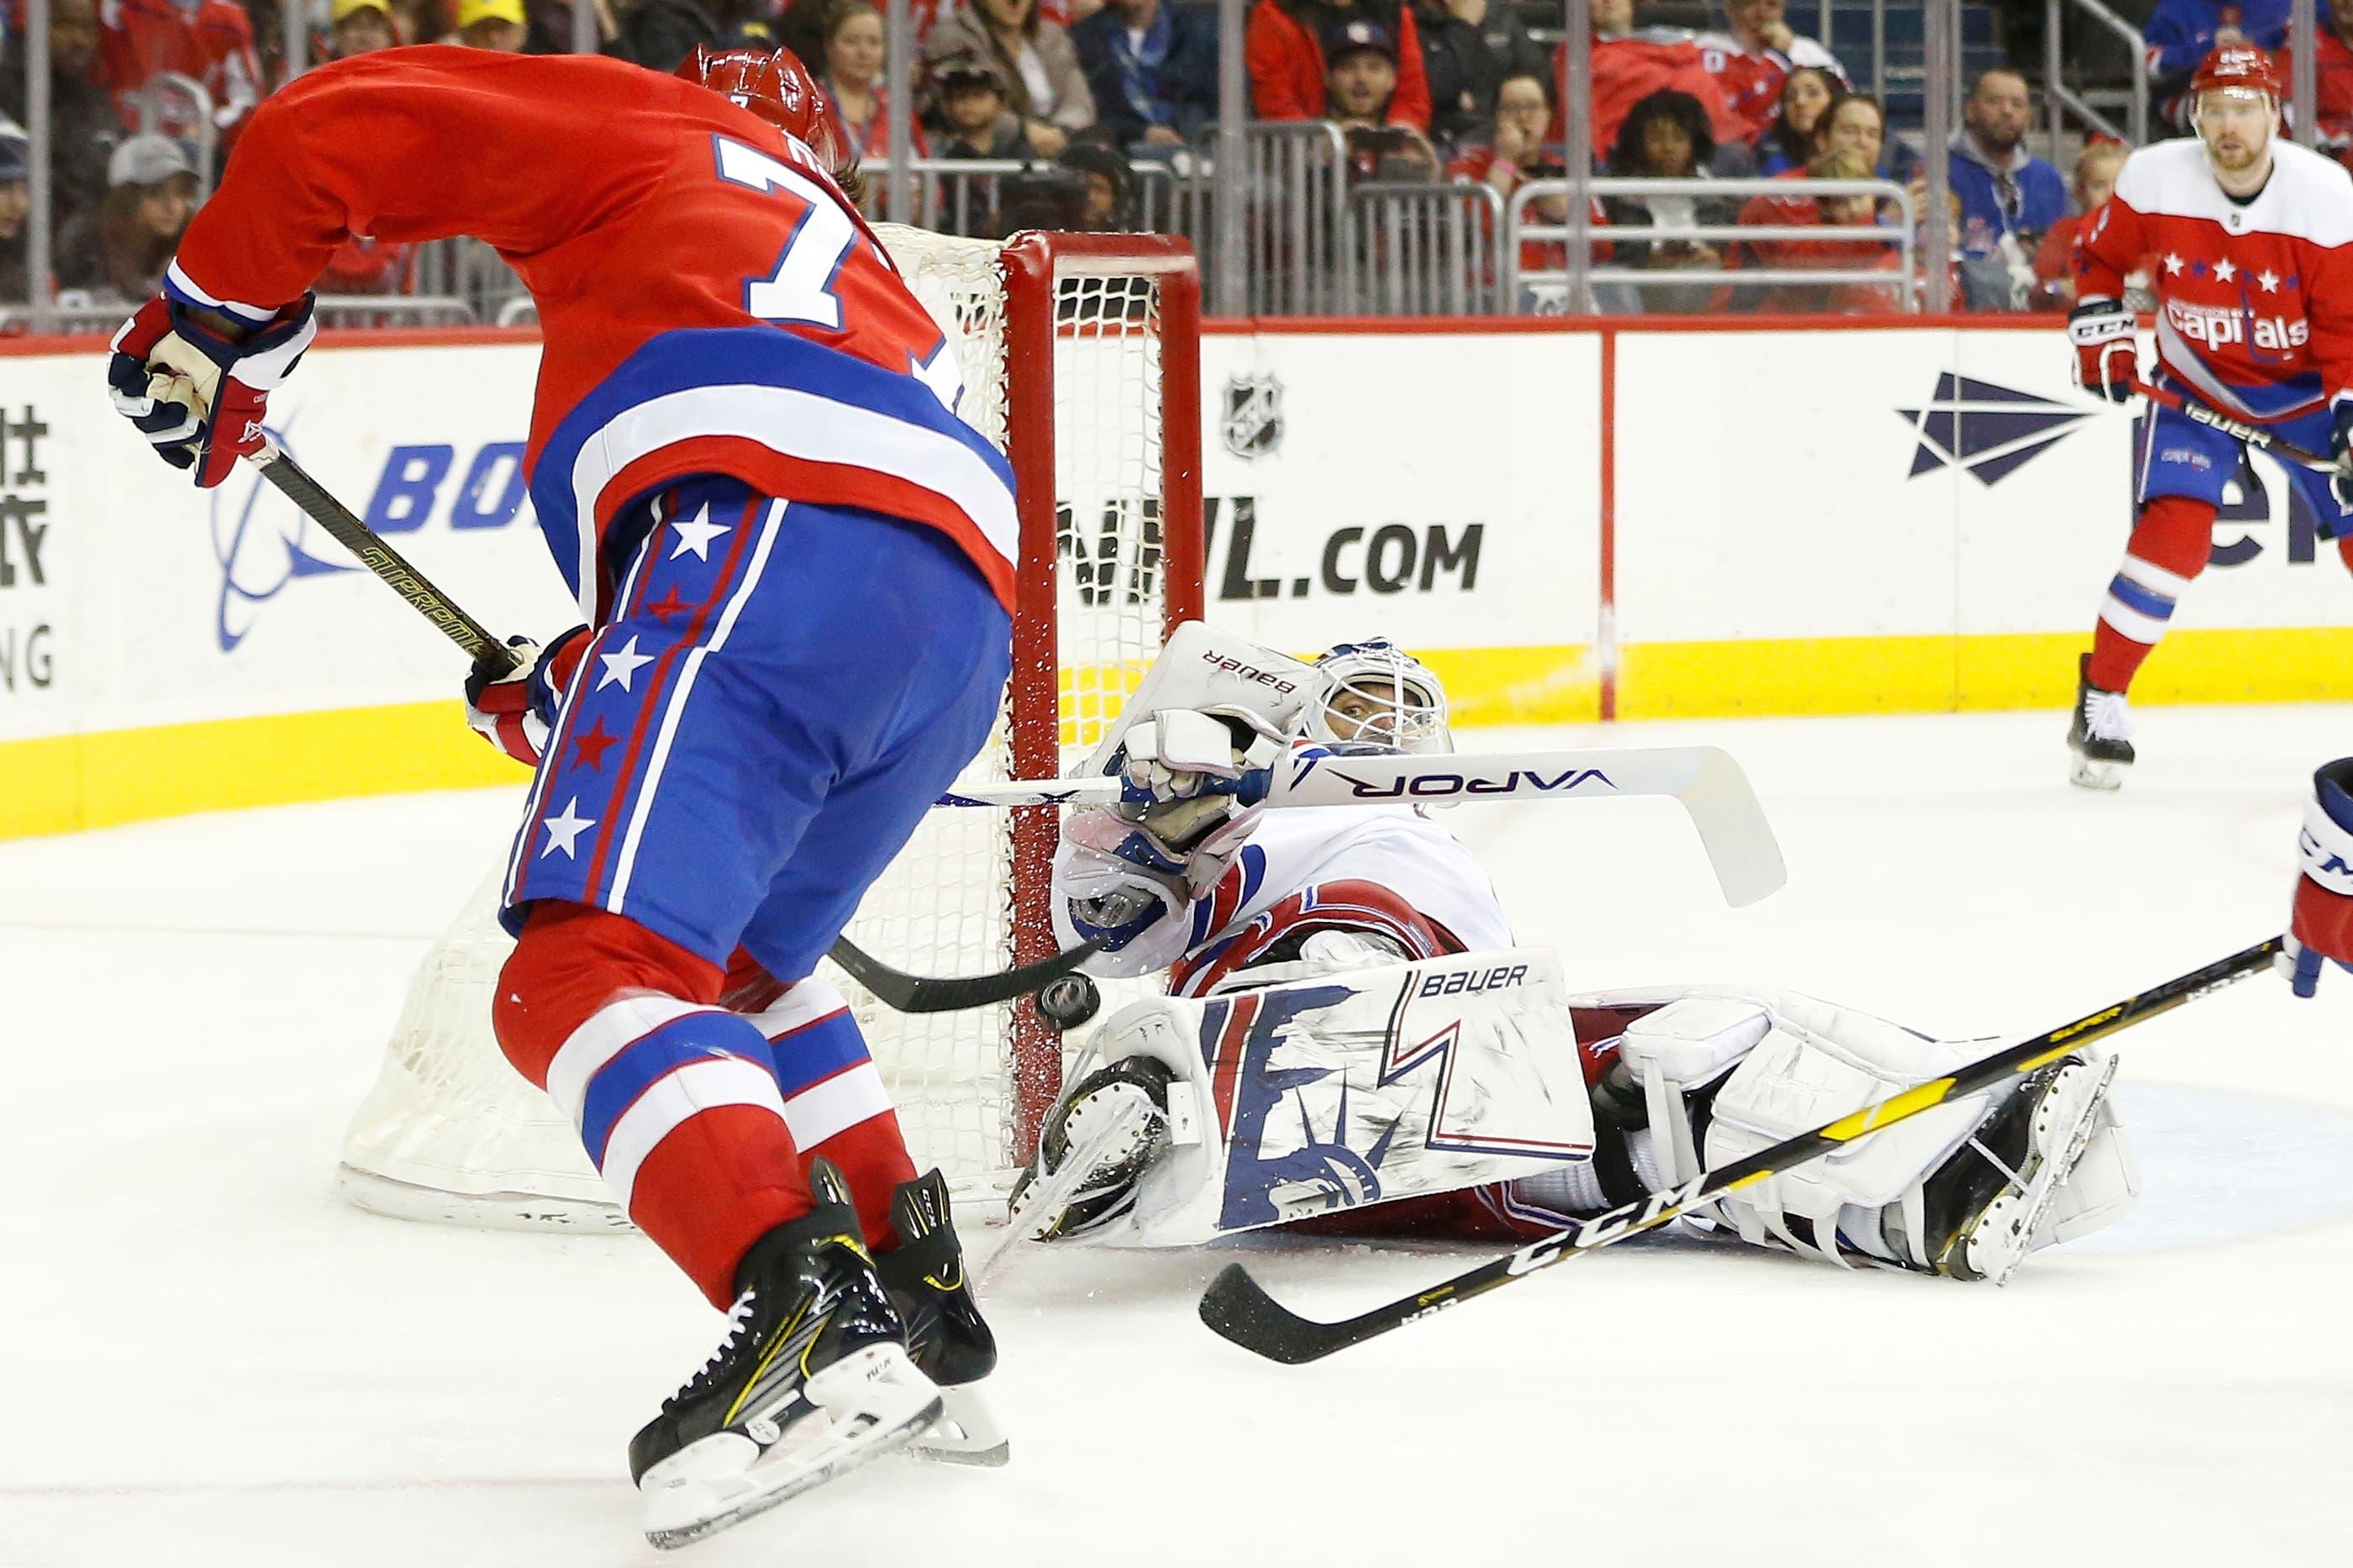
(1703,780)
(1238,1307)
(893,988)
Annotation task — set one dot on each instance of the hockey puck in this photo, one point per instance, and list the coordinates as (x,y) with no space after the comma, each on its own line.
(1068,1000)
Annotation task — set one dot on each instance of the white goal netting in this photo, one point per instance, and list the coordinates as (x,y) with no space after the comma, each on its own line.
(451,1132)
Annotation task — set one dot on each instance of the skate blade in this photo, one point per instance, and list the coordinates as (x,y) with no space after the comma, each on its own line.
(966,1434)
(2089,774)
(2015,1216)
(870,1404)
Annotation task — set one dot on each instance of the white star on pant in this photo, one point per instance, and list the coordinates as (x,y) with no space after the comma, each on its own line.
(620,664)
(2225,270)
(562,830)
(696,534)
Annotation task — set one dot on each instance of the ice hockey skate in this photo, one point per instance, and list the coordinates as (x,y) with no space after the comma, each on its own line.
(1110,1125)
(946,1336)
(813,1380)
(2013,1187)
(2099,733)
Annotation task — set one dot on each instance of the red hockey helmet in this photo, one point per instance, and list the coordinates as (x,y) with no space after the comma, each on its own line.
(2239,66)
(772,84)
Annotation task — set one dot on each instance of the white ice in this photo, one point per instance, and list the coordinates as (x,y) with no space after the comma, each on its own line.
(205,1360)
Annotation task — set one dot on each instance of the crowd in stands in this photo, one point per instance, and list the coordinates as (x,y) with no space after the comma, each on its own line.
(148,97)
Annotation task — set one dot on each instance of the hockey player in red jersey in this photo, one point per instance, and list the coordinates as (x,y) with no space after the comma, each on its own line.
(2252,240)
(792,562)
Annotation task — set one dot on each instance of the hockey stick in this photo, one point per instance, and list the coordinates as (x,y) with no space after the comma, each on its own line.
(311,499)
(1237,1307)
(1705,780)
(895,989)
(2254,436)
(916,994)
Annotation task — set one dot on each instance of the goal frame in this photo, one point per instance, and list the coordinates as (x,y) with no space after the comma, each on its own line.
(1035,263)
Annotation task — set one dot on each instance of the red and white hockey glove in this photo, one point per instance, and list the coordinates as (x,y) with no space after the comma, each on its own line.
(2105,359)
(517,710)
(2322,927)
(198,397)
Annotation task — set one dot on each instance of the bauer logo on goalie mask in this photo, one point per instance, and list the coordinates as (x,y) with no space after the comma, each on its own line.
(1376,695)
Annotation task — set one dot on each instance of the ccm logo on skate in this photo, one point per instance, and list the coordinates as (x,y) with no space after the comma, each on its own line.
(1441,785)
(1474,981)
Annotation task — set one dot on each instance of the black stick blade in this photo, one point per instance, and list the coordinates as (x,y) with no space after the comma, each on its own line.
(918,994)
(1237,1308)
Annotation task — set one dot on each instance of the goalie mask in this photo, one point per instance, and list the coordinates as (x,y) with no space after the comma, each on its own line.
(1376,694)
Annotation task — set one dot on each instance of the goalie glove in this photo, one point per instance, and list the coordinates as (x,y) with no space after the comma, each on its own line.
(516,711)
(197,397)
(2105,359)
(2322,928)
(1200,774)
(1120,884)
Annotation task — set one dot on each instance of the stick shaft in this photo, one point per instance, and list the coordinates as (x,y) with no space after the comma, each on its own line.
(2252,435)
(368,546)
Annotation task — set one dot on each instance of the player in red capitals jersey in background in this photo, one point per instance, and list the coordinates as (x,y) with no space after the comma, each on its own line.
(793,563)
(2252,240)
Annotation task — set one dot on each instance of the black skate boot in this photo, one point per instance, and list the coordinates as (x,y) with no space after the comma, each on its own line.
(946,1335)
(2099,732)
(1109,1127)
(1985,1208)
(812,1380)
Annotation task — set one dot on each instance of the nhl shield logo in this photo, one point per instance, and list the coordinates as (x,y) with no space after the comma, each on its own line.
(1253,425)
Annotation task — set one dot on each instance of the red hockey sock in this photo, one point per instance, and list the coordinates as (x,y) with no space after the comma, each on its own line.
(835,1101)
(675,1099)
(2170,544)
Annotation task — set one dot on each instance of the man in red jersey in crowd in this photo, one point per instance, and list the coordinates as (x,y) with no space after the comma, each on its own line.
(2252,241)
(792,561)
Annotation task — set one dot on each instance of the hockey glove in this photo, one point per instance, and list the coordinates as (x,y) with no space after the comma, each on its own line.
(2322,927)
(2340,446)
(516,711)
(2105,359)
(1120,884)
(199,398)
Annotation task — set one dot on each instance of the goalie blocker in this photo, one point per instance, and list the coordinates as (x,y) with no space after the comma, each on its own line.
(1475,1096)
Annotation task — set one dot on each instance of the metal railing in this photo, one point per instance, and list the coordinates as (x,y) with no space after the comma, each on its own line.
(1549,289)
(2062,101)
(1300,256)
(334,310)
(1429,250)
(171,104)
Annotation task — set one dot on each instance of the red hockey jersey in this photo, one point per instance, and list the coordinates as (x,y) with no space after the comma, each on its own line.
(709,301)
(2254,299)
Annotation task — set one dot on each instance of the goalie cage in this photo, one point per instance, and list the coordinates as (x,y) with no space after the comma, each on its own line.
(1081,360)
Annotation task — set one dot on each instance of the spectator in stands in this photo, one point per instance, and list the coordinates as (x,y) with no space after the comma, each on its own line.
(1467,48)
(660,34)
(1359,90)
(853,81)
(15,212)
(117,253)
(1755,56)
(1629,67)
(360,27)
(1789,142)
(1829,212)
(2180,33)
(84,129)
(1855,122)
(547,28)
(1108,203)
(979,123)
(1153,69)
(1289,73)
(1516,152)
(2095,181)
(496,25)
(2332,80)
(210,42)
(1668,136)
(2008,197)
(1035,60)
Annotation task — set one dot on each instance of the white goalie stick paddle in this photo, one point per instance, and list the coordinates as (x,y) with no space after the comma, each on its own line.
(1703,780)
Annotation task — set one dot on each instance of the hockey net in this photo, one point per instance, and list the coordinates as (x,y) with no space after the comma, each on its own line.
(1079,356)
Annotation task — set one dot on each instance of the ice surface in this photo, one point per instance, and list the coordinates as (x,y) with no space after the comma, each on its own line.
(205,1360)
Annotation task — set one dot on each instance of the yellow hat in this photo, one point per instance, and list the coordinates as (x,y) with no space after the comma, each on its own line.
(472,11)
(343,9)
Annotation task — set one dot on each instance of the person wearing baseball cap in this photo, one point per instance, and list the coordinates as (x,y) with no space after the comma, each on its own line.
(360,27)
(1360,73)
(496,25)
(972,103)
(120,247)
(1289,45)
(16,211)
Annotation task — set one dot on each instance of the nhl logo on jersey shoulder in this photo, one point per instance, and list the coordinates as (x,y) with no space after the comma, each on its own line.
(1253,423)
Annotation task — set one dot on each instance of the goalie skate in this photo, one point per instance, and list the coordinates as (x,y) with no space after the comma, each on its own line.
(2005,1194)
(812,1380)
(1109,1127)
